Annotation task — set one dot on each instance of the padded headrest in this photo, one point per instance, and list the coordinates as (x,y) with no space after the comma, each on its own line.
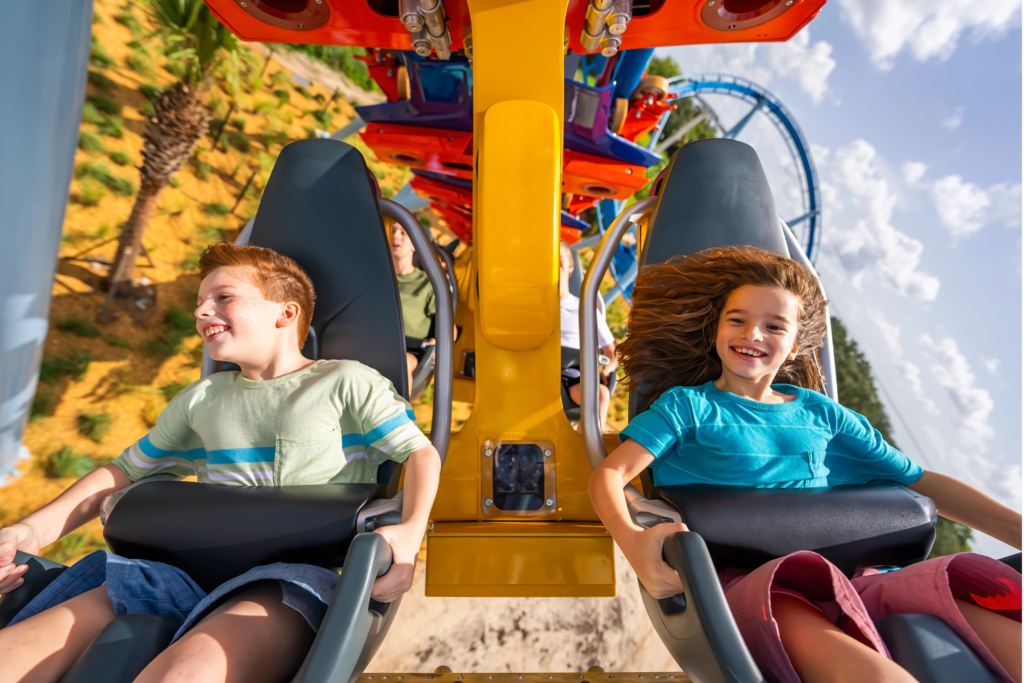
(714,194)
(850,526)
(320,209)
(216,533)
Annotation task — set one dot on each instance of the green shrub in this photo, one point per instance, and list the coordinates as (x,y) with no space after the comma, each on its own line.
(281,78)
(120,158)
(238,140)
(174,182)
(169,391)
(213,234)
(146,109)
(97,234)
(128,19)
(112,127)
(150,91)
(177,326)
(302,90)
(42,406)
(94,426)
(178,320)
(89,193)
(140,65)
(118,342)
(89,142)
(282,96)
(340,58)
(66,463)
(203,170)
(75,365)
(264,107)
(104,104)
(71,546)
(239,123)
(79,326)
(138,47)
(310,132)
(99,172)
(319,97)
(217,209)
(100,81)
(91,114)
(324,118)
(98,57)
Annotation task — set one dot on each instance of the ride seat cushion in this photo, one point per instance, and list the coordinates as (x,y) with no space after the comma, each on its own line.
(851,526)
(215,533)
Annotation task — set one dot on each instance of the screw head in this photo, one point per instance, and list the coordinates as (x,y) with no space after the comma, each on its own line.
(550,502)
(547,453)
(488,452)
(244,4)
(711,4)
(789,2)
(431,526)
(487,502)
(301,26)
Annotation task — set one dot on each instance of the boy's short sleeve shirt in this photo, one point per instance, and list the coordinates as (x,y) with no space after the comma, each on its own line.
(701,435)
(333,422)
(418,304)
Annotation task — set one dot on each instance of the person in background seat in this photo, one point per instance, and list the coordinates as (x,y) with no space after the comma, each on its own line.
(569,306)
(418,304)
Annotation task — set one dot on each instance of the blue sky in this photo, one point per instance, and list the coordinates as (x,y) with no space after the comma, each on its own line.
(913,110)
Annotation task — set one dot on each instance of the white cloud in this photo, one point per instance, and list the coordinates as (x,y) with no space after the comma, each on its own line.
(962,206)
(991,364)
(911,372)
(860,231)
(1004,208)
(973,403)
(808,64)
(928,29)
(913,171)
(954,121)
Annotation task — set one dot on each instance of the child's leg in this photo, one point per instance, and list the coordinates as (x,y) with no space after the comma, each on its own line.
(820,651)
(1001,635)
(252,637)
(43,647)
(411,363)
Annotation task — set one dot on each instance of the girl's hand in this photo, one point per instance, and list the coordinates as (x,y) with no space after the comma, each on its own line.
(405,545)
(660,580)
(15,537)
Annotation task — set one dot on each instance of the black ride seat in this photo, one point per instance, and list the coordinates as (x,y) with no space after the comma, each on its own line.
(715,194)
(215,533)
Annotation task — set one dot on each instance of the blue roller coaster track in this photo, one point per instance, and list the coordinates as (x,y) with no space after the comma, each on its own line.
(807,226)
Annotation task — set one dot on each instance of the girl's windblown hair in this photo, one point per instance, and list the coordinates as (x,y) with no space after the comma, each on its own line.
(676,306)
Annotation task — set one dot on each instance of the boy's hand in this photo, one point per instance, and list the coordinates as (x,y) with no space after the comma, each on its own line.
(15,537)
(645,555)
(405,545)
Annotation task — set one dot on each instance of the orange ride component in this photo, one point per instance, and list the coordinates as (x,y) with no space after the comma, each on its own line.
(570,235)
(388,72)
(442,151)
(699,22)
(648,103)
(592,176)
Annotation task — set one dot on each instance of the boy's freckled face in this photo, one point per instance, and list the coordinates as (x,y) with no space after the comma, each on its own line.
(232,315)
(401,245)
(757,330)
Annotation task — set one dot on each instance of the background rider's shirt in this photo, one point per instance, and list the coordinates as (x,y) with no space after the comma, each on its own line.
(333,422)
(570,315)
(702,435)
(418,305)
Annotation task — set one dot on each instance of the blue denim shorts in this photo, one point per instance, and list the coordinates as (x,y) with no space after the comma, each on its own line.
(144,587)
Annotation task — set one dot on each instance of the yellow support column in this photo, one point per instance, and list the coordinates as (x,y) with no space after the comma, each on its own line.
(518,86)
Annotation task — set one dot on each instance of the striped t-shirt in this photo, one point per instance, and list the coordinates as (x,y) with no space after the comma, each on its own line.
(333,422)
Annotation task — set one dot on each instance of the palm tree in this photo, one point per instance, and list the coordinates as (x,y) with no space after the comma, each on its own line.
(195,44)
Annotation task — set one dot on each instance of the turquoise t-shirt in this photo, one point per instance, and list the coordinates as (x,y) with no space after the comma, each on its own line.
(702,435)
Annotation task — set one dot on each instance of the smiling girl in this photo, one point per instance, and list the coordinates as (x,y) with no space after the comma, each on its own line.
(725,343)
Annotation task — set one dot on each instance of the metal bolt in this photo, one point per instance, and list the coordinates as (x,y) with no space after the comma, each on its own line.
(790,2)
(301,26)
(710,4)
(629,171)
(380,130)
(319,2)
(547,453)
(244,5)
(487,502)
(550,502)
(451,139)
(488,452)
(431,526)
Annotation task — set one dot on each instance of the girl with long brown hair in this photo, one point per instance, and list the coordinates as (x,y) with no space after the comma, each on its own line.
(723,345)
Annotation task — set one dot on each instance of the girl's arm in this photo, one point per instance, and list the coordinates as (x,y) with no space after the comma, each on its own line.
(70,510)
(642,547)
(970,507)
(422,472)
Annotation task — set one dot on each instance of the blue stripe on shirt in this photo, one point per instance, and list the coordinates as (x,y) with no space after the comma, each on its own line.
(351,440)
(149,450)
(386,427)
(226,456)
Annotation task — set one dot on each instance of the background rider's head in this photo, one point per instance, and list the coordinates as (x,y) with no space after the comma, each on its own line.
(565,268)
(402,248)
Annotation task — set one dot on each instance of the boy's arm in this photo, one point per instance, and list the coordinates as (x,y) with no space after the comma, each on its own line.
(77,505)
(642,547)
(970,507)
(422,472)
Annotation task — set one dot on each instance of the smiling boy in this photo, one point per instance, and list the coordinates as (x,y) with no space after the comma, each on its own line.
(282,420)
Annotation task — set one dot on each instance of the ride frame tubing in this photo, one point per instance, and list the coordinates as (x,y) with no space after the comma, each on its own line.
(593,439)
(441,417)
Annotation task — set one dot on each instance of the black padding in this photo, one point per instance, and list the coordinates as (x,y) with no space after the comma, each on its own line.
(40,574)
(930,650)
(851,526)
(1012,561)
(215,533)
(320,209)
(122,650)
(715,194)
